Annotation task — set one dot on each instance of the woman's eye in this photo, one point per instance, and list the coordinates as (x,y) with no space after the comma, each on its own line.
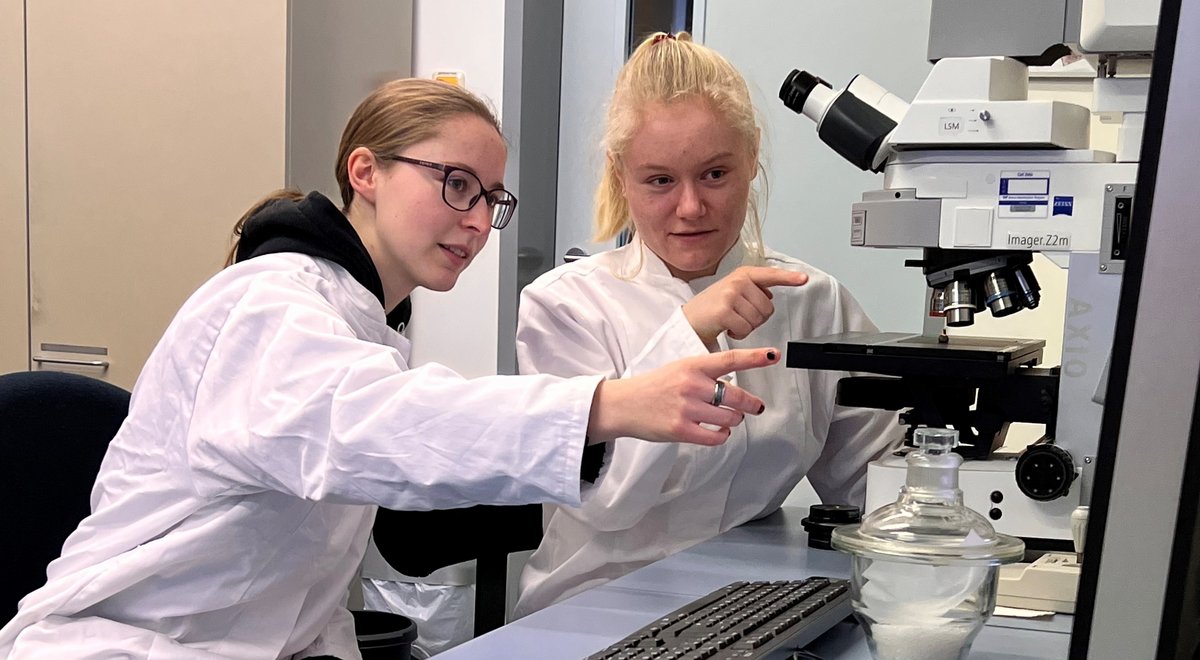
(660,181)
(717,174)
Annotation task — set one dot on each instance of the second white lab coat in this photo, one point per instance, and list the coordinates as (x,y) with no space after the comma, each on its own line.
(619,313)
(234,505)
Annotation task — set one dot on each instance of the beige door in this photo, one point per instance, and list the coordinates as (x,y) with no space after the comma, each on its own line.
(152,126)
(14,286)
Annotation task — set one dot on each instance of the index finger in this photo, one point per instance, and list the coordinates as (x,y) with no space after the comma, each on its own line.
(766,276)
(715,365)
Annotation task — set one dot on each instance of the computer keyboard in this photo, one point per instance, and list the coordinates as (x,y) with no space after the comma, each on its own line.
(740,620)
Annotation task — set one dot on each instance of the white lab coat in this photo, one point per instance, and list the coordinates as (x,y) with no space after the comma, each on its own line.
(234,505)
(652,500)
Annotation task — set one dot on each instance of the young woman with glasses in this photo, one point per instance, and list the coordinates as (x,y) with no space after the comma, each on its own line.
(279,409)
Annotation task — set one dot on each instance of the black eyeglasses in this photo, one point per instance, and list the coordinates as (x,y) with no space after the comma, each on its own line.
(462,190)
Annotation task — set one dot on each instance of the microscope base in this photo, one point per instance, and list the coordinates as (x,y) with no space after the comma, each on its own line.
(990,488)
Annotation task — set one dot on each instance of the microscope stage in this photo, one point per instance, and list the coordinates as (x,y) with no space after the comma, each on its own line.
(901,354)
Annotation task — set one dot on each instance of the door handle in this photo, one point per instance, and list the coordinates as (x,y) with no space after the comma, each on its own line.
(40,359)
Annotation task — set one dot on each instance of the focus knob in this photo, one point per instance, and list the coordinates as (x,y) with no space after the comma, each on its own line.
(1045,472)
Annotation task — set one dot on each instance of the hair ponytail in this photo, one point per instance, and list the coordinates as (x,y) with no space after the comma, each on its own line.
(285,193)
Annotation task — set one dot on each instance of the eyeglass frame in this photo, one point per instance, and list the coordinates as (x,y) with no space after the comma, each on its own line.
(446,170)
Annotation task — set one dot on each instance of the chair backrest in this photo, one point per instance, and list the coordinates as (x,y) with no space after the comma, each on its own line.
(54,430)
(416,543)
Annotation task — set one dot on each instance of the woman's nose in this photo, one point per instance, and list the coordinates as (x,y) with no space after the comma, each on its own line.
(479,217)
(689,205)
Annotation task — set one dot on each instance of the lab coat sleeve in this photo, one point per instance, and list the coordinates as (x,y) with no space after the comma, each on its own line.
(337,640)
(559,333)
(291,400)
(856,436)
(567,334)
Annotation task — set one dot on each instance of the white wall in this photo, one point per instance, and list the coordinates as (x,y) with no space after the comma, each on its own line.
(811,187)
(592,54)
(458,328)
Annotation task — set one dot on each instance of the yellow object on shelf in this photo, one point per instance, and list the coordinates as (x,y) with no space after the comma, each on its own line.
(453,77)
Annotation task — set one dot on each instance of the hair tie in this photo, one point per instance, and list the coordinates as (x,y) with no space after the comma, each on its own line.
(661,36)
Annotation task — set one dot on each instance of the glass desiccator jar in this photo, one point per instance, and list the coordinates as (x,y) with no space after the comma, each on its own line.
(925,568)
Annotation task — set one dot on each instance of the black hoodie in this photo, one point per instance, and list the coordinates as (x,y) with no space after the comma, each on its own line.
(314,226)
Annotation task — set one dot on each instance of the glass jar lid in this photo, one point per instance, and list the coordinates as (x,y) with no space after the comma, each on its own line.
(928,523)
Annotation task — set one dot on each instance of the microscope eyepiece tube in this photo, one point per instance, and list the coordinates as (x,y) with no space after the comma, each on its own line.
(876,96)
(807,95)
(853,128)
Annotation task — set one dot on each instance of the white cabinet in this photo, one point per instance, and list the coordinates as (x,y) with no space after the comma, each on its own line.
(151,126)
(14,289)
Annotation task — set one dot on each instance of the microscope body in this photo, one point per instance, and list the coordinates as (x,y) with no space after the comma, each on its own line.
(980,177)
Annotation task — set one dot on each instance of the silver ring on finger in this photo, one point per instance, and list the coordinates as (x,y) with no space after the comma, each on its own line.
(718,393)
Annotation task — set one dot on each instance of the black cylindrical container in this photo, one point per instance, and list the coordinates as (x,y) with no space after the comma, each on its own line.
(823,518)
(384,636)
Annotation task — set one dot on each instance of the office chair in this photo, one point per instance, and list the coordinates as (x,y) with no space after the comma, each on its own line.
(418,543)
(54,430)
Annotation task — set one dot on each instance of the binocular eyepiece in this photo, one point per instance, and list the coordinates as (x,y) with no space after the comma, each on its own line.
(855,122)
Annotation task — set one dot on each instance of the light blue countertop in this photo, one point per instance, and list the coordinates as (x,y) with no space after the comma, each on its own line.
(774,548)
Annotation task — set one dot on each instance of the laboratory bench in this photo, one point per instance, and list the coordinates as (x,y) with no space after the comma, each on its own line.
(773,548)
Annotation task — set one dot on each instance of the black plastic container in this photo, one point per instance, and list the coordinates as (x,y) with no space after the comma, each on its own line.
(384,636)
(823,518)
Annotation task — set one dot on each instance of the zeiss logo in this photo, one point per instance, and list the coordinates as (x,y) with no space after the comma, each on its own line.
(1064,205)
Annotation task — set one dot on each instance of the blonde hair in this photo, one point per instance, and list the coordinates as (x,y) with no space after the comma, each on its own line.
(666,68)
(395,116)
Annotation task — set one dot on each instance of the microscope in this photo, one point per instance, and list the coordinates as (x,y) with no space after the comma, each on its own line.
(980,177)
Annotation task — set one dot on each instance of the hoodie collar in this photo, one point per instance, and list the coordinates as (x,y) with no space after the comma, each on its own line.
(313,226)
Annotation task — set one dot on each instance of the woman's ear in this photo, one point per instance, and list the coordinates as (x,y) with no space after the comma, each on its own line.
(362,170)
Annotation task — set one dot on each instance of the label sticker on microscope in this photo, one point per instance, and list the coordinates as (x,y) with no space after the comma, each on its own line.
(1034,183)
(1039,240)
(1064,205)
(1023,194)
(858,228)
(950,125)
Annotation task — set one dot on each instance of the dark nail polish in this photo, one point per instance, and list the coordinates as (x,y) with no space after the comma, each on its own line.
(761,408)
(770,355)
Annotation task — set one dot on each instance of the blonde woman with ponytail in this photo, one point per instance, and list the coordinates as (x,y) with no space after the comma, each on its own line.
(279,411)
(682,173)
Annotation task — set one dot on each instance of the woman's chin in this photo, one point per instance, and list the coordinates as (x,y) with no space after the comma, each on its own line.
(441,284)
(691,269)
